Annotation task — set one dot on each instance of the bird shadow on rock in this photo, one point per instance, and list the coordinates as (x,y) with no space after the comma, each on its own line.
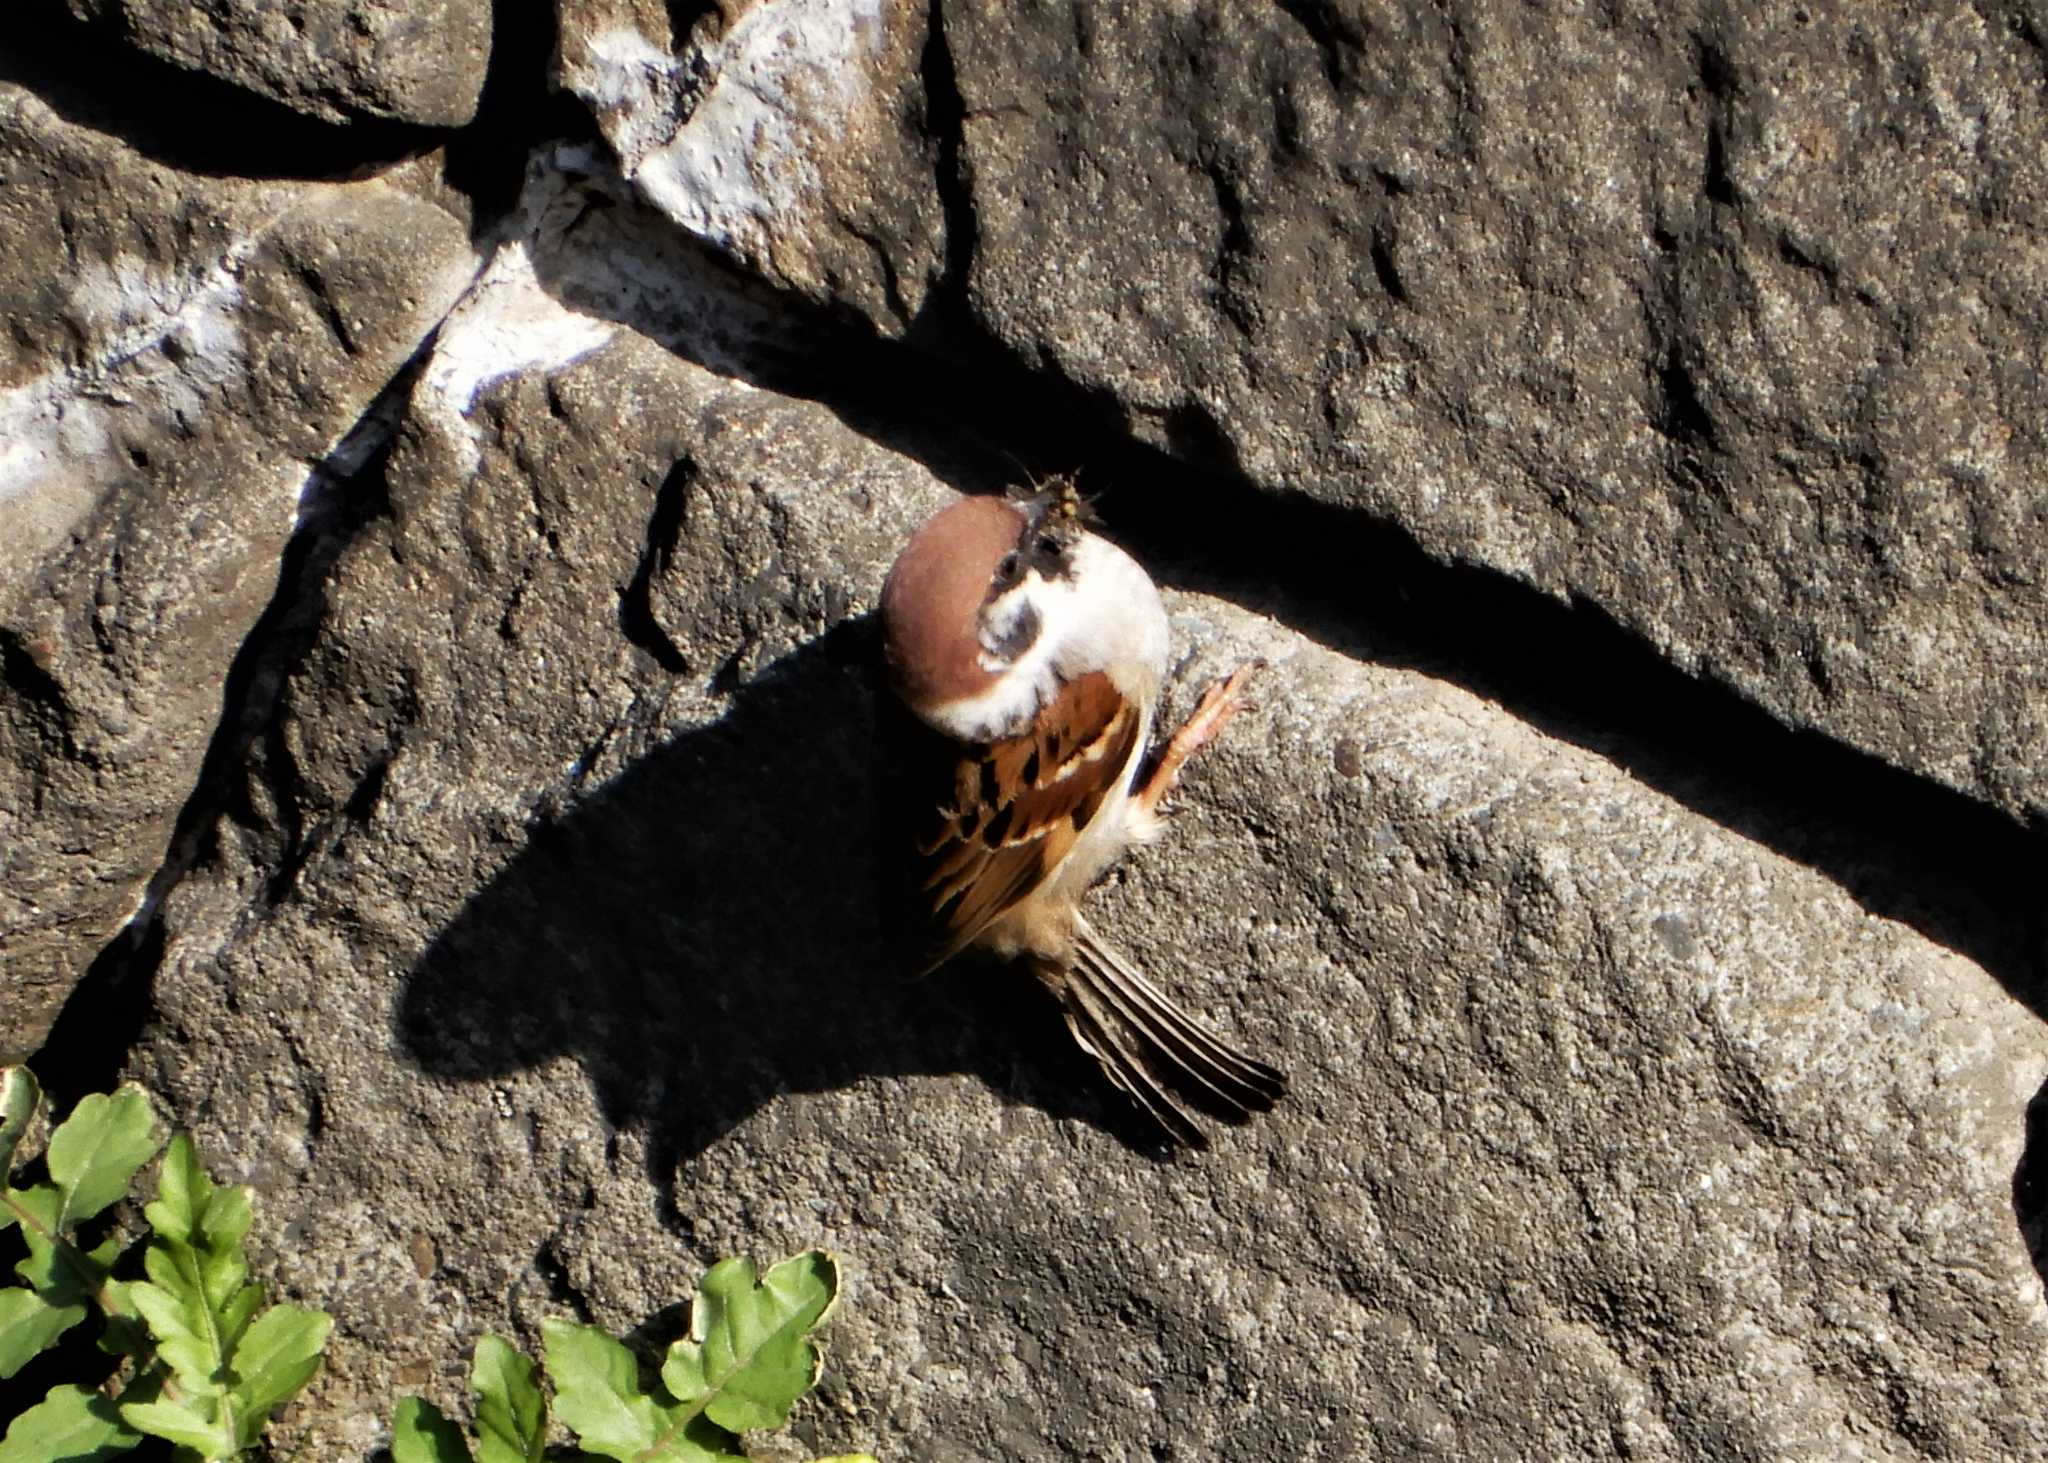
(2030,1183)
(704,933)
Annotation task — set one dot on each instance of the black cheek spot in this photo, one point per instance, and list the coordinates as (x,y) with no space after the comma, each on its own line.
(1015,640)
(1052,558)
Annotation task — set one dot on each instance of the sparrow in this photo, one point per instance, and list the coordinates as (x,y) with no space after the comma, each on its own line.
(1033,652)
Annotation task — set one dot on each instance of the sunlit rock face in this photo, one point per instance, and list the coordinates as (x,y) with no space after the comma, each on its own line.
(790,136)
(421,63)
(438,727)
(190,359)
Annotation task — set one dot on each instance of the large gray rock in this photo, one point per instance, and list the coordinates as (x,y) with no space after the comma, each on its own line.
(416,61)
(1728,320)
(790,135)
(542,970)
(185,356)
(1728,324)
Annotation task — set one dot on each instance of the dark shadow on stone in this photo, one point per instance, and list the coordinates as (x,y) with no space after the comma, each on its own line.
(1956,870)
(203,125)
(704,934)
(2030,1184)
(517,110)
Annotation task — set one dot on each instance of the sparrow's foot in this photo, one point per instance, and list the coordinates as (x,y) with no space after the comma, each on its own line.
(1223,700)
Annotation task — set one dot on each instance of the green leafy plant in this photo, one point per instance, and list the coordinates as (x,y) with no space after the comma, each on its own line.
(204,1364)
(747,1358)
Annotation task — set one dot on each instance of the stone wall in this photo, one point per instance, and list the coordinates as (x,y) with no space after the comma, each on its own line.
(447,466)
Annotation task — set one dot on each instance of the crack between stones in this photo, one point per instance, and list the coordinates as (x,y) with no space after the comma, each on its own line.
(946,306)
(637,620)
(1328,32)
(517,110)
(41,696)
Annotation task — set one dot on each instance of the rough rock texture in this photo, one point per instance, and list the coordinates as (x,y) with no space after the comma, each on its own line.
(1729,320)
(183,359)
(1667,1084)
(1614,1132)
(791,136)
(416,61)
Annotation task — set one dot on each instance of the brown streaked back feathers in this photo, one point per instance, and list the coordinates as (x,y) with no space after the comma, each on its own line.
(1016,807)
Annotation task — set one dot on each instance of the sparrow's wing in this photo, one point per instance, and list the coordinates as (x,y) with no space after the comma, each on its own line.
(1011,810)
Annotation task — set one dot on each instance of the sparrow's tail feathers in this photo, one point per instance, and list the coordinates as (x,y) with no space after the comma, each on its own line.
(1142,1037)
(1100,1035)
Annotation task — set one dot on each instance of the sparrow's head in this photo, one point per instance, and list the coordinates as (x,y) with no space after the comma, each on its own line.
(993,605)
(961,604)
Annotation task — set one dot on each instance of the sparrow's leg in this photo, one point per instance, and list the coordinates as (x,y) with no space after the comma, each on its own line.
(1220,702)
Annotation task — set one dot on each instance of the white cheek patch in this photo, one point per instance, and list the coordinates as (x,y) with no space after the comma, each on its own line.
(1021,634)
(1003,710)
(1105,616)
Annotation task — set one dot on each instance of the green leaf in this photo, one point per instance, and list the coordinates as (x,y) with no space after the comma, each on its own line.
(278,1356)
(37,1209)
(699,1440)
(28,1325)
(746,1360)
(182,1423)
(233,1366)
(511,1414)
(175,1270)
(71,1424)
(94,1153)
(61,1279)
(235,1315)
(184,1335)
(18,1098)
(598,1393)
(182,1189)
(222,1224)
(127,1334)
(62,1273)
(190,1211)
(193,1300)
(420,1434)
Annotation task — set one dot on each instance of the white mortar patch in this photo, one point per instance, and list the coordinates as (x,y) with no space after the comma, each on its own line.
(789,77)
(158,343)
(506,325)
